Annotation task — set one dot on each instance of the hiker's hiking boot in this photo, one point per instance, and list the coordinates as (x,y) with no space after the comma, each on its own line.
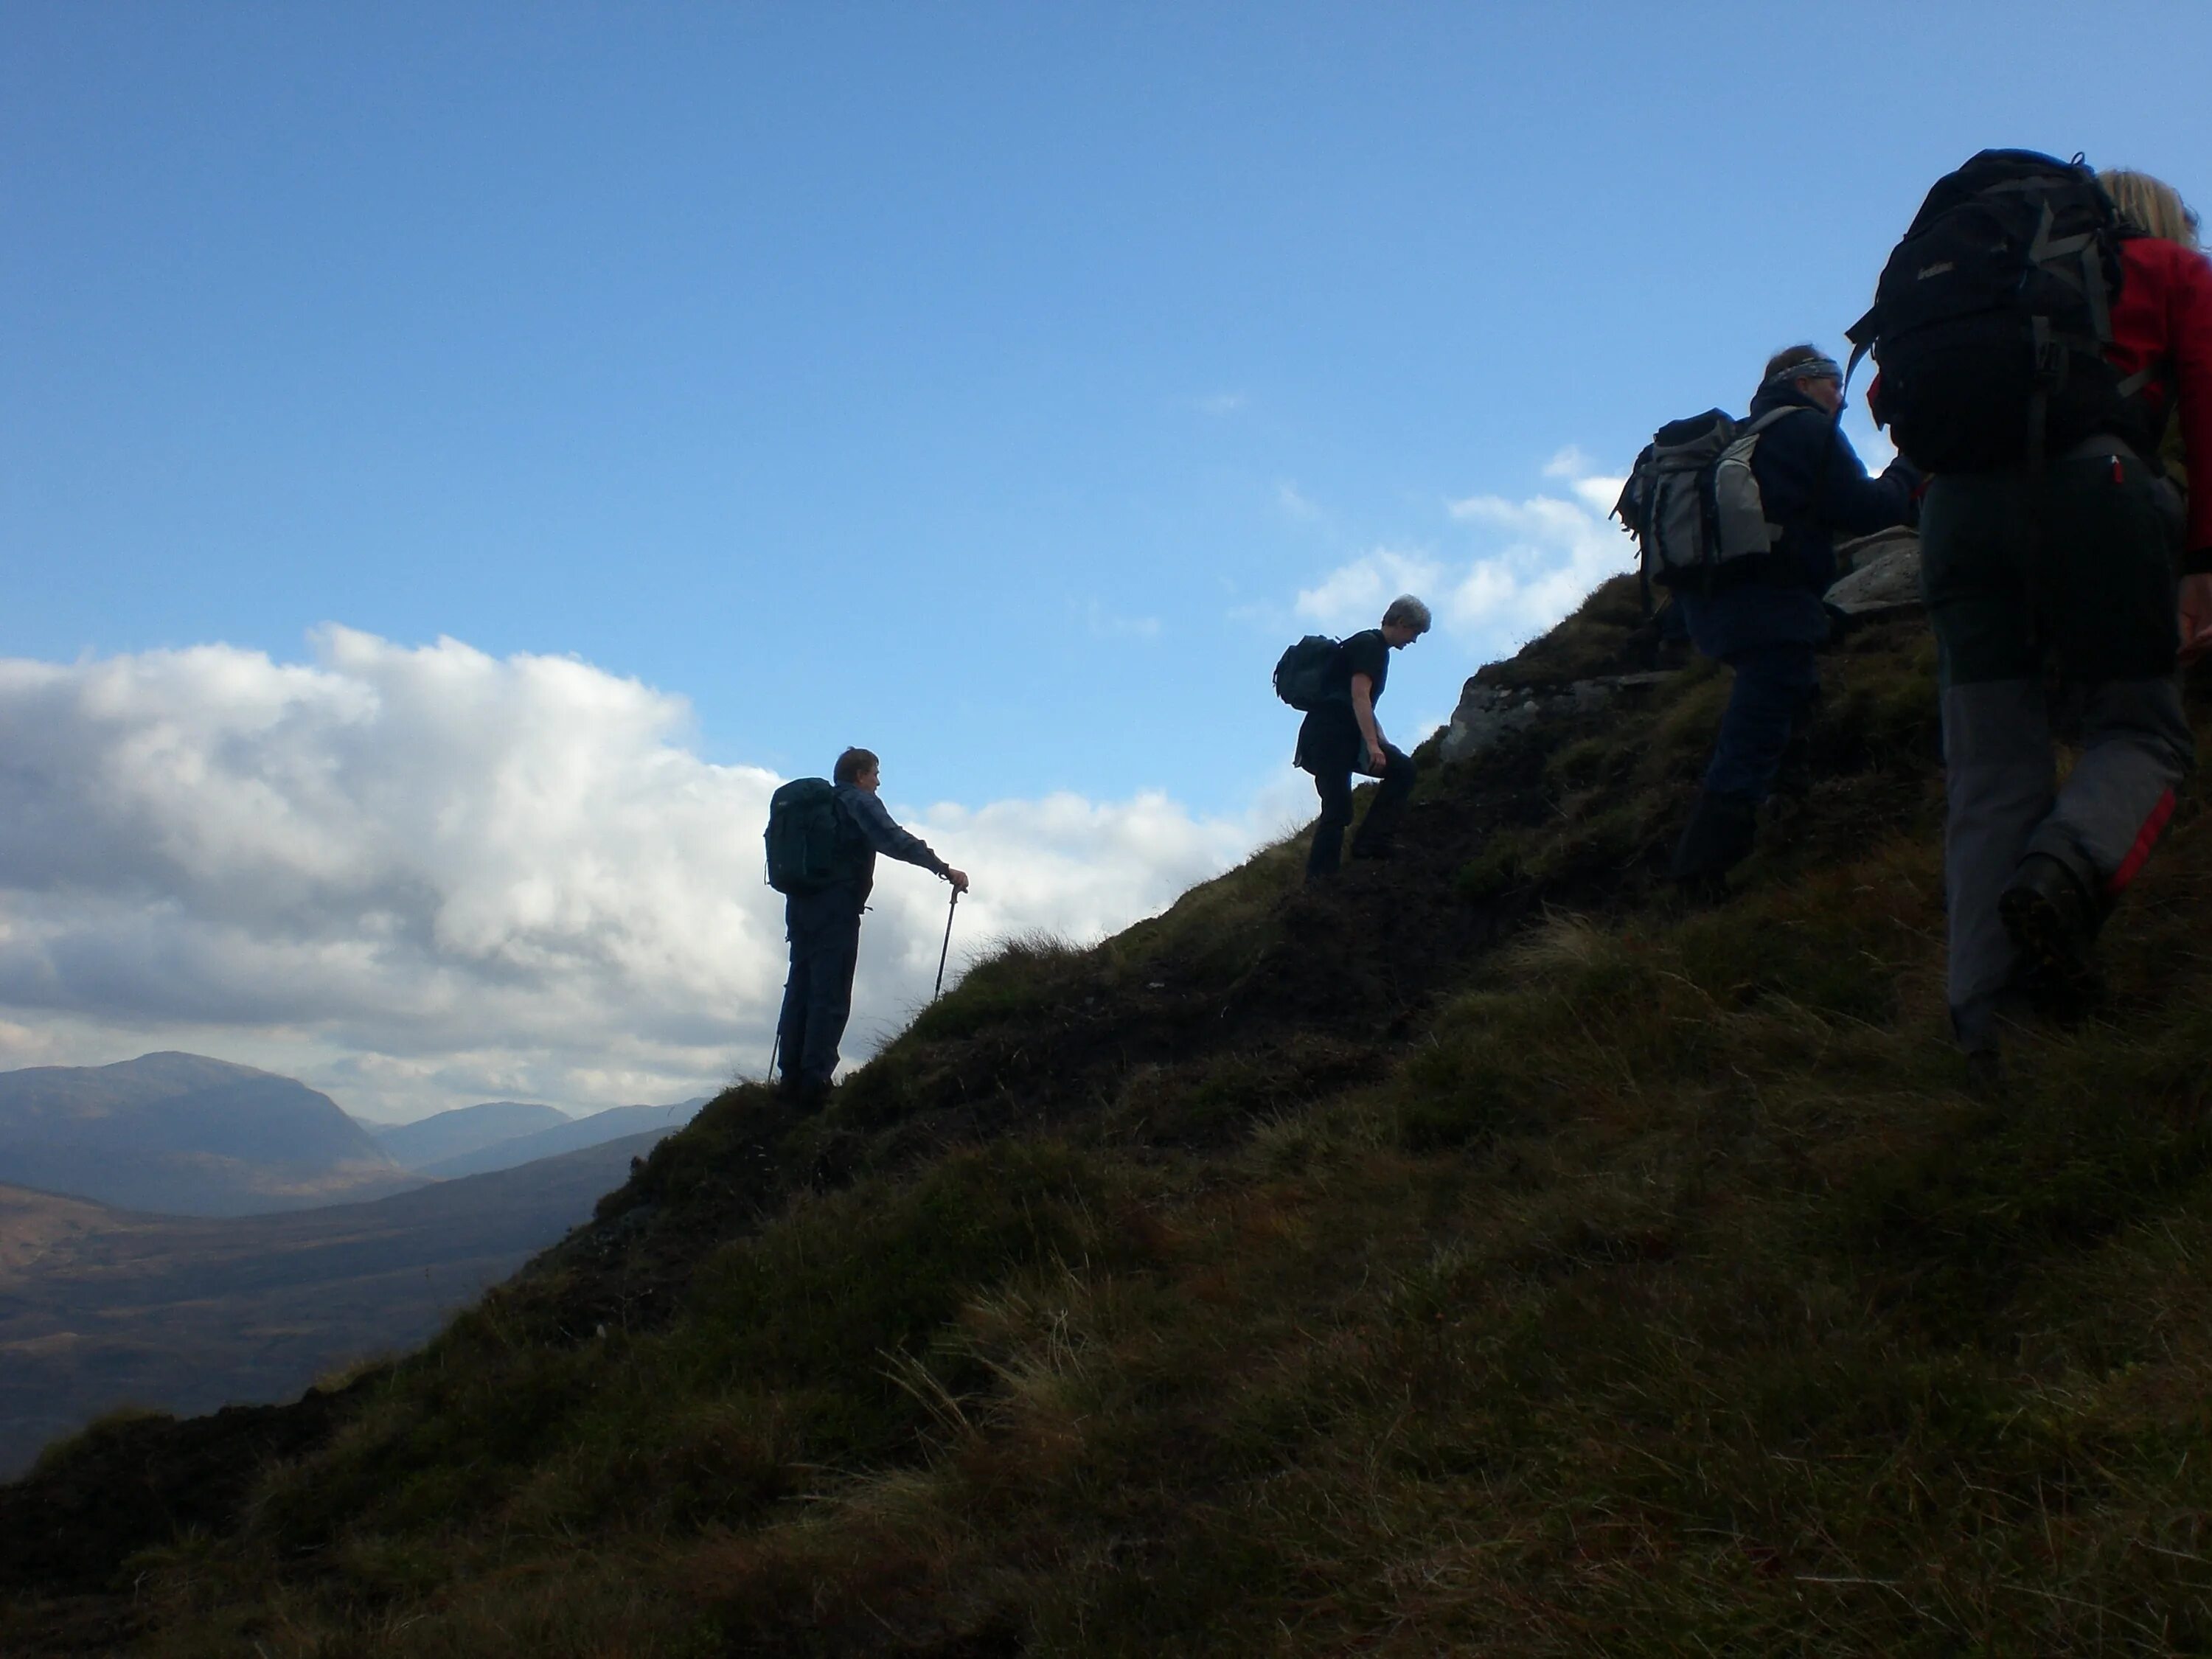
(1717,839)
(803,1094)
(1985,1073)
(2052,921)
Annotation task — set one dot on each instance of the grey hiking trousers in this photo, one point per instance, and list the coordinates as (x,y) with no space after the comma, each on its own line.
(2070,575)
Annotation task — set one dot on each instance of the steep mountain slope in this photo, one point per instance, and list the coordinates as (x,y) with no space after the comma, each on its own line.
(616,1122)
(462,1130)
(185,1135)
(1484,1255)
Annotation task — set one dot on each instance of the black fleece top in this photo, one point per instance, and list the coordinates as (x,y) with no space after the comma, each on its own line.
(1329,737)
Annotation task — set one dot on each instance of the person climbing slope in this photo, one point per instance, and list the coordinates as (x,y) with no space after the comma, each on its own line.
(2064,559)
(1339,736)
(1762,615)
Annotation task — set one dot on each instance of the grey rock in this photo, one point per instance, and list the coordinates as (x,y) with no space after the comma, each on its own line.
(1487,714)
(1883,575)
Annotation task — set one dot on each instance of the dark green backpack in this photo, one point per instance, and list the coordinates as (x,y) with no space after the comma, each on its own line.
(806,825)
(1305,675)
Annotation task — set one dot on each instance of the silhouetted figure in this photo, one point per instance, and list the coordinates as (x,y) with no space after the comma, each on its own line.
(1339,737)
(823,925)
(2070,565)
(1762,613)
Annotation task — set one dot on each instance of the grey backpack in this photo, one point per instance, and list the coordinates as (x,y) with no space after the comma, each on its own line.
(1692,502)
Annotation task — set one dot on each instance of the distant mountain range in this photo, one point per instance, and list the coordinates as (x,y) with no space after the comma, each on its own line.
(463,1130)
(179,1232)
(566,1135)
(101,1308)
(186,1135)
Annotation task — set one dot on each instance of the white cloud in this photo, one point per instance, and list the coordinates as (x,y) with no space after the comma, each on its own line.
(1353,595)
(423,876)
(1294,501)
(1534,561)
(1543,554)
(1220,403)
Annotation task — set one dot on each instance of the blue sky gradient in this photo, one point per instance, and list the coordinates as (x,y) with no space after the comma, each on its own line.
(983,383)
(880,371)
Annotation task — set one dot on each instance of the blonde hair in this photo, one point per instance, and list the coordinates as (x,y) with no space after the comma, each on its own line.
(2151,205)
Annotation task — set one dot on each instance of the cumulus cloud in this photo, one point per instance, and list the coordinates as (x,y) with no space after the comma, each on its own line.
(1539,556)
(1531,562)
(420,876)
(1354,594)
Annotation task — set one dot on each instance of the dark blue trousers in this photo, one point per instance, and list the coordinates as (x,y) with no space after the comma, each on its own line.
(824,931)
(1333,784)
(1772,693)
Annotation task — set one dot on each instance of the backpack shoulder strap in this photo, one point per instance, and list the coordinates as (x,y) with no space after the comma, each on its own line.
(1834,422)
(1770,417)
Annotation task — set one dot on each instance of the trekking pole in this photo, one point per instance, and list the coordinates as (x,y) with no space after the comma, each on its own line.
(942,953)
(775,1048)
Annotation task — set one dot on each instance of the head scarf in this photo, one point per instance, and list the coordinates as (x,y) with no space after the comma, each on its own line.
(1812,368)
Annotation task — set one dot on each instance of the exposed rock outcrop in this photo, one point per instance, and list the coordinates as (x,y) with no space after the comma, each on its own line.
(1881,574)
(1487,713)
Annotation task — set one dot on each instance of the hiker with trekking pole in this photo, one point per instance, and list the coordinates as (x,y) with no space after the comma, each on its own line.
(823,839)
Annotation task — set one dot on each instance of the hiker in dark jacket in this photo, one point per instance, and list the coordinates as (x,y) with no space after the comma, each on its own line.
(1339,737)
(2073,568)
(1763,615)
(825,927)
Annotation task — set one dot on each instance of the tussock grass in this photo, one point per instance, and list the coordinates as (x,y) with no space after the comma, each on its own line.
(1006,982)
(1662,1290)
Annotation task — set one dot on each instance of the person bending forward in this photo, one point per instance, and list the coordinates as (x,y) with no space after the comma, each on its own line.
(1340,736)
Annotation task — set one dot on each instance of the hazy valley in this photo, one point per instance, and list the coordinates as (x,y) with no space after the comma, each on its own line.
(105,1304)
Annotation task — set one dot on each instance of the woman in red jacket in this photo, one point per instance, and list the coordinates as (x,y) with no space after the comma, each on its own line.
(2074,568)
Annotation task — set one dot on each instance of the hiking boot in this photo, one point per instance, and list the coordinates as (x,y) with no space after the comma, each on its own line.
(1985,1073)
(1717,839)
(2052,922)
(803,1094)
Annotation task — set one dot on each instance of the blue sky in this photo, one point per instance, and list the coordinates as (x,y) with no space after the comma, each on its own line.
(983,383)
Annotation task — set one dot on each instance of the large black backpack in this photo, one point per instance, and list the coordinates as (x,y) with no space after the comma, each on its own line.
(1305,674)
(1991,319)
(805,836)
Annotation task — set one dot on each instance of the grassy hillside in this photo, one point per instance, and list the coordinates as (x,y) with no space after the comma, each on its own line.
(1485,1255)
